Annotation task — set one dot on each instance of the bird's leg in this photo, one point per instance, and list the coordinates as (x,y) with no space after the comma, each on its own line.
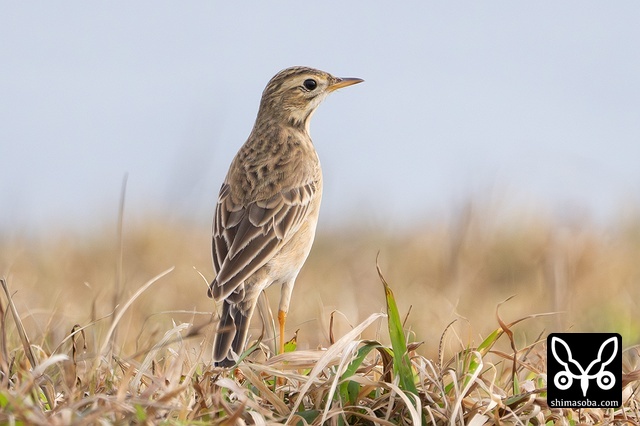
(285,297)
(282,318)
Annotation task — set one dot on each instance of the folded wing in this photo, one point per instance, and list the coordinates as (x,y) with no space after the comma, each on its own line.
(246,237)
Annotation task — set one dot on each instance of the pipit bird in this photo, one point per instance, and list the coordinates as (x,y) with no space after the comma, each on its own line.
(267,210)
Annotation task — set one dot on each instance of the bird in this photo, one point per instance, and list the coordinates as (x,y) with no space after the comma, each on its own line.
(267,209)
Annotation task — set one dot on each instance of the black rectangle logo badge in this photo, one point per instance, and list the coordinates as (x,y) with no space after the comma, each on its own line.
(584,370)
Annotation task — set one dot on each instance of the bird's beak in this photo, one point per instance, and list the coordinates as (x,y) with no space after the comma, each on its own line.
(344,82)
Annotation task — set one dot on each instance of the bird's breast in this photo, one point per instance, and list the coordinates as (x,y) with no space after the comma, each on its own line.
(271,163)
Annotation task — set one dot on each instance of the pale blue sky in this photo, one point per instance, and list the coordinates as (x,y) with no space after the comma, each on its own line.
(537,102)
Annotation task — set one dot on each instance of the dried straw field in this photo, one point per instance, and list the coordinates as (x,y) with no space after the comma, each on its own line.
(98,329)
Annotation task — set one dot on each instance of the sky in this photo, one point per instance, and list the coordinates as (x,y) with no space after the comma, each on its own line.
(535,103)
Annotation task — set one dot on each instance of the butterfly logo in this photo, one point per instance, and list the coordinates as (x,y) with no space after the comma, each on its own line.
(573,369)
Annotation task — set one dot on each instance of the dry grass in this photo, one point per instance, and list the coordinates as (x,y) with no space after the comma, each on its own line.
(104,342)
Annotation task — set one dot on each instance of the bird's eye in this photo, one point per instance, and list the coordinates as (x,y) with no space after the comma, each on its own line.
(310,84)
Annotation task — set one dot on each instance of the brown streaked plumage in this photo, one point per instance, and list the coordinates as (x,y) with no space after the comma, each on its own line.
(267,210)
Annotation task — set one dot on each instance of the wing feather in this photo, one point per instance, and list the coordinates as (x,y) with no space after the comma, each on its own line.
(246,237)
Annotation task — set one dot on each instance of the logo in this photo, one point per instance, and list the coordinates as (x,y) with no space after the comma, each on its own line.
(584,370)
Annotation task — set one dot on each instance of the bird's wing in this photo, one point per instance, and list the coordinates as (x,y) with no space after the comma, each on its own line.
(245,237)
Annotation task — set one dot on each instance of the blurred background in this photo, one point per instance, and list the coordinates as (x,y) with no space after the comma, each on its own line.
(492,151)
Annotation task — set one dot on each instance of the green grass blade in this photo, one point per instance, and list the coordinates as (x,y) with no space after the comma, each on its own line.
(348,392)
(401,361)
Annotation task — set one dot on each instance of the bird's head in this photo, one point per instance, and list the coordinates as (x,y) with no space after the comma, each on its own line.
(294,93)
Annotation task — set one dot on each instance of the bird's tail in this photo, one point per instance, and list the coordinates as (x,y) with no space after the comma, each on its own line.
(231,334)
